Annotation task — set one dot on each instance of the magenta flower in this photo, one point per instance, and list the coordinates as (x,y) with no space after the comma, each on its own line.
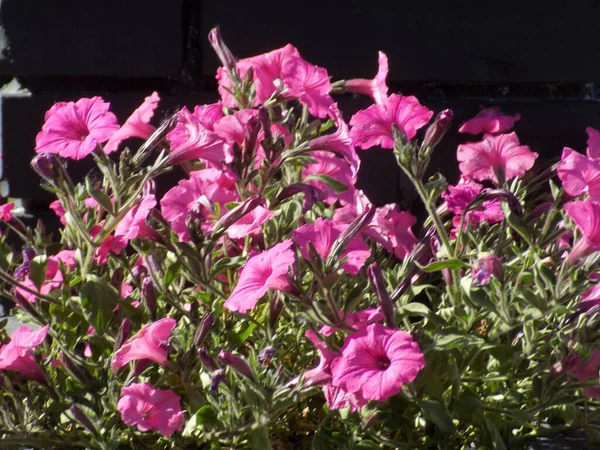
(593,143)
(590,299)
(376,361)
(495,158)
(308,83)
(53,277)
(18,354)
(490,120)
(137,125)
(262,272)
(151,409)
(133,224)
(332,166)
(150,343)
(322,234)
(356,320)
(586,216)
(74,130)
(375,88)
(585,371)
(373,126)
(6,211)
(579,174)
(250,224)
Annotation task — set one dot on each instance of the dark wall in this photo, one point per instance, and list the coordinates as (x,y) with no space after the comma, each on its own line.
(538,58)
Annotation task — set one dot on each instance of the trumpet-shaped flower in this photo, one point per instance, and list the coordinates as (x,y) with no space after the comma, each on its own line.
(375,88)
(579,174)
(586,216)
(18,354)
(330,165)
(73,130)
(376,361)
(149,344)
(250,224)
(496,158)
(373,126)
(585,371)
(593,143)
(133,224)
(490,120)
(262,272)
(137,125)
(53,276)
(151,409)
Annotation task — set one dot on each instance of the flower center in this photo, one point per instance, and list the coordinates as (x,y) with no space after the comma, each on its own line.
(383,362)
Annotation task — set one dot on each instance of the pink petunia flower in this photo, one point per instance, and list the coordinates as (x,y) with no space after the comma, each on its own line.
(375,88)
(149,344)
(593,143)
(74,130)
(308,83)
(137,125)
(53,277)
(490,120)
(133,224)
(151,409)
(18,354)
(496,158)
(585,371)
(356,320)
(267,69)
(6,211)
(579,174)
(262,272)
(373,126)
(322,234)
(586,216)
(250,224)
(334,167)
(590,299)
(376,361)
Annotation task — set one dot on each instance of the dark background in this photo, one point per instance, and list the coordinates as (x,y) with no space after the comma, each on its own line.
(538,58)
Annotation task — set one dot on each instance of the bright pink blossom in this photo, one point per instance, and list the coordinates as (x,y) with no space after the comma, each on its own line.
(149,344)
(375,88)
(308,83)
(18,354)
(74,130)
(6,211)
(579,174)
(262,272)
(585,371)
(490,120)
(137,125)
(330,165)
(53,276)
(151,409)
(593,143)
(586,216)
(496,158)
(590,299)
(373,126)
(356,320)
(250,224)
(322,234)
(133,224)
(376,361)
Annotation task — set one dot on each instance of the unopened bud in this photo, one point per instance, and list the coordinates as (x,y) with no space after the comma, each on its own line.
(75,370)
(487,265)
(275,309)
(265,355)
(48,166)
(435,132)
(117,278)
(149,296)
(83,419)
(252,130)
(351,232)
(140,271)
(203,329)
(216,378)
(225,56)
(207,360)
(122,334)
(237,213)
(23,270)
(311,195)
(236,363)
(384,299)
(265,121)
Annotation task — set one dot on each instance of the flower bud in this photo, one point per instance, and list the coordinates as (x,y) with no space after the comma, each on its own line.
(236,363)
(23,270)
(139,272)
(149,296)
(237,213)
(265,355)
(83,419)
(75,370)
(117,278)
(225,56)
(123,334)
(384,299)
(351,232)
(265,121)
(48,166)
(311,195)
(487,265)
(435,132)
(203,329)
(275,309)
(216,378)
(207,360)
(252,130)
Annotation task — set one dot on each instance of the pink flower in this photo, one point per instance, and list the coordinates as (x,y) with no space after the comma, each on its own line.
(192,140)
(585,371)
(74,130)
(18,354)
(375,88)
(586,216)
(267,70)
(496,158)
(356,320)
(593,143)
(486,266)
(590,299)
(490,120)
(262,272)
(150,343)
(373,126)
(579,174)
(151,409)
(250,224)
(322,234)
(337,168)
(6,211)
(133,224)
(198,194)
(53,277)
(376,361)
(308,83)
(137,125)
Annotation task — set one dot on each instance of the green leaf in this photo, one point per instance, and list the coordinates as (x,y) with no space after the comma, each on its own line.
(438,414)
(451,341)
(436,266)
(416,308)
(171,273)
(258,439)
(435,186)
(516,223)
(101,198)
(493,434)
(98,300)
(334,184)
(37,270)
